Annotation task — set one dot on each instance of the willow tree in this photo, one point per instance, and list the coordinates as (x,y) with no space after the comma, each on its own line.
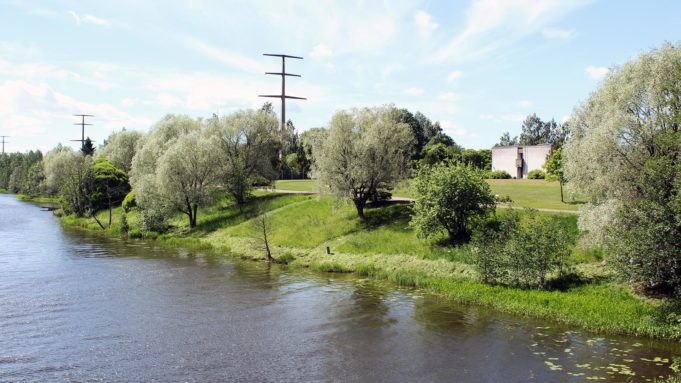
(186,173)
(172,170)
(366,150)
(120,148)
(246,142)
(625,157)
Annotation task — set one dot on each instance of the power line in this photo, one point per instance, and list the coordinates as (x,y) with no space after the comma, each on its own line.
(82,128)
(283,96)
(3,143)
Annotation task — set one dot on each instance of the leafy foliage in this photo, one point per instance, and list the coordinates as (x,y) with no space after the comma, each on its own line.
(624,157)
(536,174)
(366,150)
(498,175)
(450,197)
(510,252)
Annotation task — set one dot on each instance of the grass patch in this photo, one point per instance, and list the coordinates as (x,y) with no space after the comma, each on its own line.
(39,199)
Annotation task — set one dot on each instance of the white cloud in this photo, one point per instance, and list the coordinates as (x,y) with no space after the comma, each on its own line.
(89,19)
(556,33)
(244,63)
(455,130)
(128,102)
(596,72)
(425,23)
(449,96)
(493,24)
(321,50)
(454,76)
(414,91)
(28,110)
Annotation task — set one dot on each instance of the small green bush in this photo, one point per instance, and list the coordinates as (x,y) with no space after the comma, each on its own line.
(503,198)
(135,233)
(151,234)
(536,174)
(509,252)
(129,201)
(498,175)
(286,258)
(124,226)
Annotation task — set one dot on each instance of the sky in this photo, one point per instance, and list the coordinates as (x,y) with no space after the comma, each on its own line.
(479,67)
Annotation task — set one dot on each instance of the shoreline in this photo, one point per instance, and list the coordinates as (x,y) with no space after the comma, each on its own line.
(601,307)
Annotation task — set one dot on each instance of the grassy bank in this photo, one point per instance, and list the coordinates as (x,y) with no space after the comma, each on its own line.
(385,247)
(39,199)
(537,194)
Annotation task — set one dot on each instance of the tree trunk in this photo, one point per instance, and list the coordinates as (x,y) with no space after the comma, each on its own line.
(195,209)
(561,191)
(110,208)
(266,242)
(359,204)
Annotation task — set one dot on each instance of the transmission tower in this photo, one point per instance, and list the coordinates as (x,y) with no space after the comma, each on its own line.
(283,96)
(3,143)
(82,127)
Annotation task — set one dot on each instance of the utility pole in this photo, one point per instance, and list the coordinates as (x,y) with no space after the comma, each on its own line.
(82,127)
(3,143)
(283,95)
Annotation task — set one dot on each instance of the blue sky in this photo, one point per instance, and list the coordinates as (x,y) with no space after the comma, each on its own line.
(478,67)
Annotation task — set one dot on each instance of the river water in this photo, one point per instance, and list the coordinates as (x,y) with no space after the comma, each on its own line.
(79,308)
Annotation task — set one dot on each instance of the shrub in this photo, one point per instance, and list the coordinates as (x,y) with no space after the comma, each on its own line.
(503,198)
(135,233)
(536,174)
(129,201)
(124,223)
(151,235)
(509,252)
(450,197)
(155,219)
(498,175)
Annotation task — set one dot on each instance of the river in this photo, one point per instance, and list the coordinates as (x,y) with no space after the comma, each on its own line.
(75,307)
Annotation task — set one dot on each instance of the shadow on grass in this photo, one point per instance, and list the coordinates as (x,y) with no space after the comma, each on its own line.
(228,213)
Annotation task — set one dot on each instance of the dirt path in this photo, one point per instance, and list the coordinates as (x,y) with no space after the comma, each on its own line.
(405,199)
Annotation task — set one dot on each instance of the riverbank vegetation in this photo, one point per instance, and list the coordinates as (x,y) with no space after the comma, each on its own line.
(194,183)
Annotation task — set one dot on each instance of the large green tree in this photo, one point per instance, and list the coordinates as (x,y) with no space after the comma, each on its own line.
(366,150)
(624,157)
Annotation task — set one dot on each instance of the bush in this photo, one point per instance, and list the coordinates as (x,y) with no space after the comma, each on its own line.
(129,201)
(135,233)
(124,223)
(536,174)
(503,198)
(151,235)
(155,219)
(498,175)
(509,252)
(450,197)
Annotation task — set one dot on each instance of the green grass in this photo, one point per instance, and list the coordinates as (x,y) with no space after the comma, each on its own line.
(537,194)
(385,247)
(39,199)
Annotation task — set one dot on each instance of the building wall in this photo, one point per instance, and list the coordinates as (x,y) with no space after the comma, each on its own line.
(503,158)
(534,157)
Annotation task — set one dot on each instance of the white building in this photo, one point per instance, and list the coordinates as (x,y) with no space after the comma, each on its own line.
(519,160)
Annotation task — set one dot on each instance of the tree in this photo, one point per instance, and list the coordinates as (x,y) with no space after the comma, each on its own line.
(111,182)
(449,197)
(262,229)
(155,201)
(120,148)
(506,140)
(55,163)
(310,141)
(366,150)
(534,131)
(77,190)
(246,141)
(554,169)
(88,147)
(481,159)
(623,156)
(186,173)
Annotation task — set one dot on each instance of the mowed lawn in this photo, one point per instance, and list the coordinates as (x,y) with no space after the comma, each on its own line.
(538,194)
